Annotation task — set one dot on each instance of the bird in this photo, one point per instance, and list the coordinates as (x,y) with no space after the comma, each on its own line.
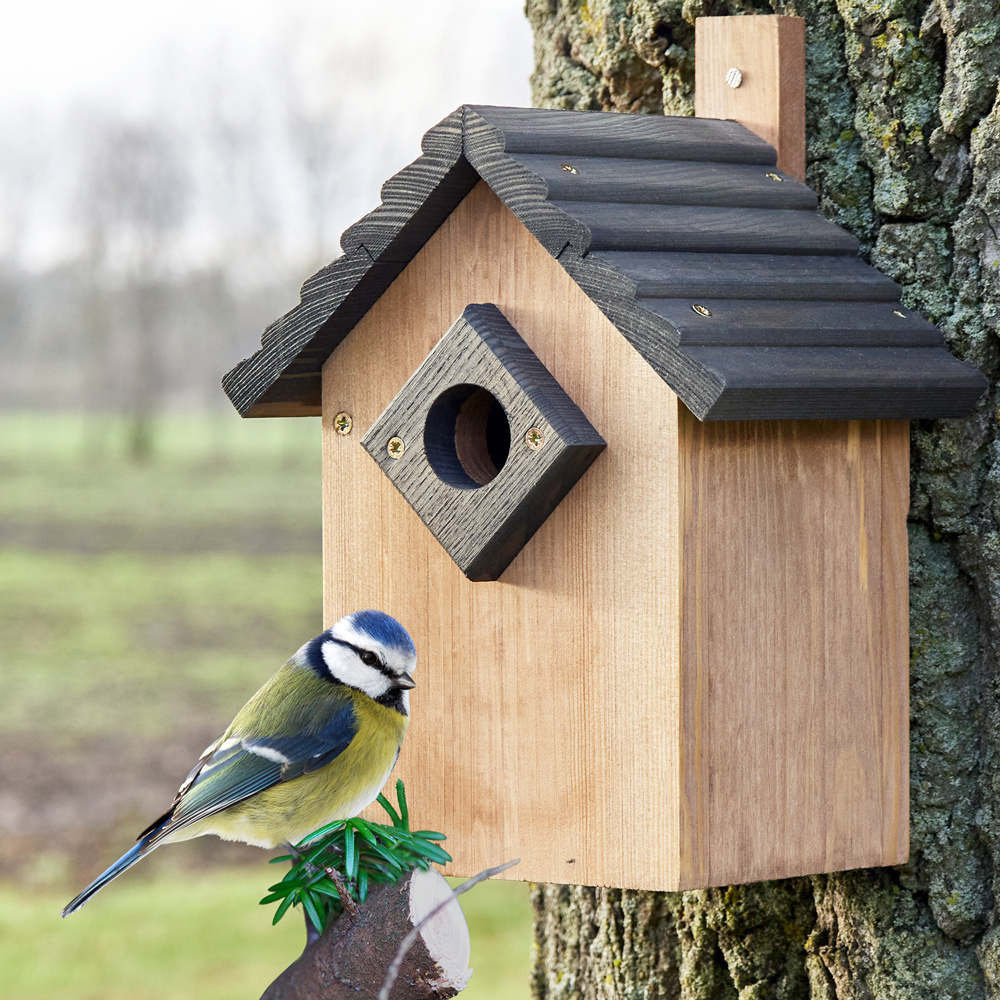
(314,745)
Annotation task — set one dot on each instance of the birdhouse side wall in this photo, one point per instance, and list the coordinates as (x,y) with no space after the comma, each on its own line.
(545,721)
(795,652)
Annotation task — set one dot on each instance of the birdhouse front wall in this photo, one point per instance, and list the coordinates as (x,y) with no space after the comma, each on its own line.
(695,672)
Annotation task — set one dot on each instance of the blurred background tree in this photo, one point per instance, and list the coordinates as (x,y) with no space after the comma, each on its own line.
(903,146)
(133,197)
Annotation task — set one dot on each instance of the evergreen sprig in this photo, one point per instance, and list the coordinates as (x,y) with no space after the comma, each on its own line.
(360,854)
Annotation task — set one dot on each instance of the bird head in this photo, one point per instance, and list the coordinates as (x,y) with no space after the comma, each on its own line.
(369,651)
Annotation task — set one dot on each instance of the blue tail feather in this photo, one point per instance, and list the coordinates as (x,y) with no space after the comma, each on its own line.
(125,862)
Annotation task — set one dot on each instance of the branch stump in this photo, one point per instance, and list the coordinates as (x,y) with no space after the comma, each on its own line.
(352,956)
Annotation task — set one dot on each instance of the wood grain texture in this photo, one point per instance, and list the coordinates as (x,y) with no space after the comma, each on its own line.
(770,52)
(752,276)
(894,691)
(530,690)
(665,182)
(840,382)
(484,522)
(567,713)
(757,323)
(491,143)
(794,656)
(687,227)
(595,133)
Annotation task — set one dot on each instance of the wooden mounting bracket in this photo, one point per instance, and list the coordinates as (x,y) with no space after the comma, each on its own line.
(769,53)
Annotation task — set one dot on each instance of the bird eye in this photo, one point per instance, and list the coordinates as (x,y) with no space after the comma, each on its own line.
(369,657)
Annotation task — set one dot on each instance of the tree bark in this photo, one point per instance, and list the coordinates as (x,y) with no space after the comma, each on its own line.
(903,146)
(350,960)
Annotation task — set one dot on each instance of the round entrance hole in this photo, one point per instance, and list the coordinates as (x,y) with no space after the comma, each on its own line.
(466,437)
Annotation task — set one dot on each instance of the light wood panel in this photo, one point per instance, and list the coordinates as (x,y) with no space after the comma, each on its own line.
(794,649)
(770,51)
(566,713)
(544,720)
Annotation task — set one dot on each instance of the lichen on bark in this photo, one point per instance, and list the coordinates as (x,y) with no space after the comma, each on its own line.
(903,146)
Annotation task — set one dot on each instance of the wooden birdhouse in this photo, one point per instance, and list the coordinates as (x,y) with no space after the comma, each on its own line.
(616,425)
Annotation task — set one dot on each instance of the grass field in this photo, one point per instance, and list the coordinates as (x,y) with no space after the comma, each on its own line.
(139,606)
(181,937)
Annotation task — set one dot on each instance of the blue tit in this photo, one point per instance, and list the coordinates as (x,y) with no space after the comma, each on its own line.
(315,744)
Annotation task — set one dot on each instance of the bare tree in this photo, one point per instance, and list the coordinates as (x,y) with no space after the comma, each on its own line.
(313,138)
(241,200)
(134,194)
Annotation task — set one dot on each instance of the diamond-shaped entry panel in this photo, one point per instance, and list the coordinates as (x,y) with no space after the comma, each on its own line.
(482,442)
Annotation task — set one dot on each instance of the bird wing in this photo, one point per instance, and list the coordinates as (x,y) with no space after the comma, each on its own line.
(239,765)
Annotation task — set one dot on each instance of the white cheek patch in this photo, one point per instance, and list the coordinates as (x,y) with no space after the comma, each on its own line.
(347,668)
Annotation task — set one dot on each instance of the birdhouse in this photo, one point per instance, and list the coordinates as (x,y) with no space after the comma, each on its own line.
(616,425)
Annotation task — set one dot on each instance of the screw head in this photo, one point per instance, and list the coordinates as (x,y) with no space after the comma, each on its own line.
(343,423)
(701,310)
(773,176)
(395,448)
(734,78)
(570,169)
(534,439)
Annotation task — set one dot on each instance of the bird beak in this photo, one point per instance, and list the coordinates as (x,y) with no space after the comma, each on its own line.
(405,681)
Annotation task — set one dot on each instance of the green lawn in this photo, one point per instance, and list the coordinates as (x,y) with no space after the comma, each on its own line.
(216,484)
(140,605)
(184,636)
(178,937)
(172,938)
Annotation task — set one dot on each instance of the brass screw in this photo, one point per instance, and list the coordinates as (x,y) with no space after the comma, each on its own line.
(774,176)
(534,439)
(343,423)
(899,314)
(569,169)
(701,310)
(395,447)
(734,78)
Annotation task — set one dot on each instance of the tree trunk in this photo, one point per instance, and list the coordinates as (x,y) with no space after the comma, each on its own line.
(903,146)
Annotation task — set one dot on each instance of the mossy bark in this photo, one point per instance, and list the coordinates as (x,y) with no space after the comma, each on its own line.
(903,145)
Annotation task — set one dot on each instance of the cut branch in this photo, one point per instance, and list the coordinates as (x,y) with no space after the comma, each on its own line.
(408,942)
(354,952)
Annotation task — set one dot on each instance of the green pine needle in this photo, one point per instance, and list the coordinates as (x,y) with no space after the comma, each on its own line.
(363,853)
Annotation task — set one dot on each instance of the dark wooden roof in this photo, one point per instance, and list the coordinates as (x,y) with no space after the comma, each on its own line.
(656,215)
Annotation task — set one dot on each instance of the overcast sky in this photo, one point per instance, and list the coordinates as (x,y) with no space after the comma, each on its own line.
(380,72)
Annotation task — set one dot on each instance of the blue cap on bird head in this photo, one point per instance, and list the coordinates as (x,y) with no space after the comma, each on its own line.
(384,629)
